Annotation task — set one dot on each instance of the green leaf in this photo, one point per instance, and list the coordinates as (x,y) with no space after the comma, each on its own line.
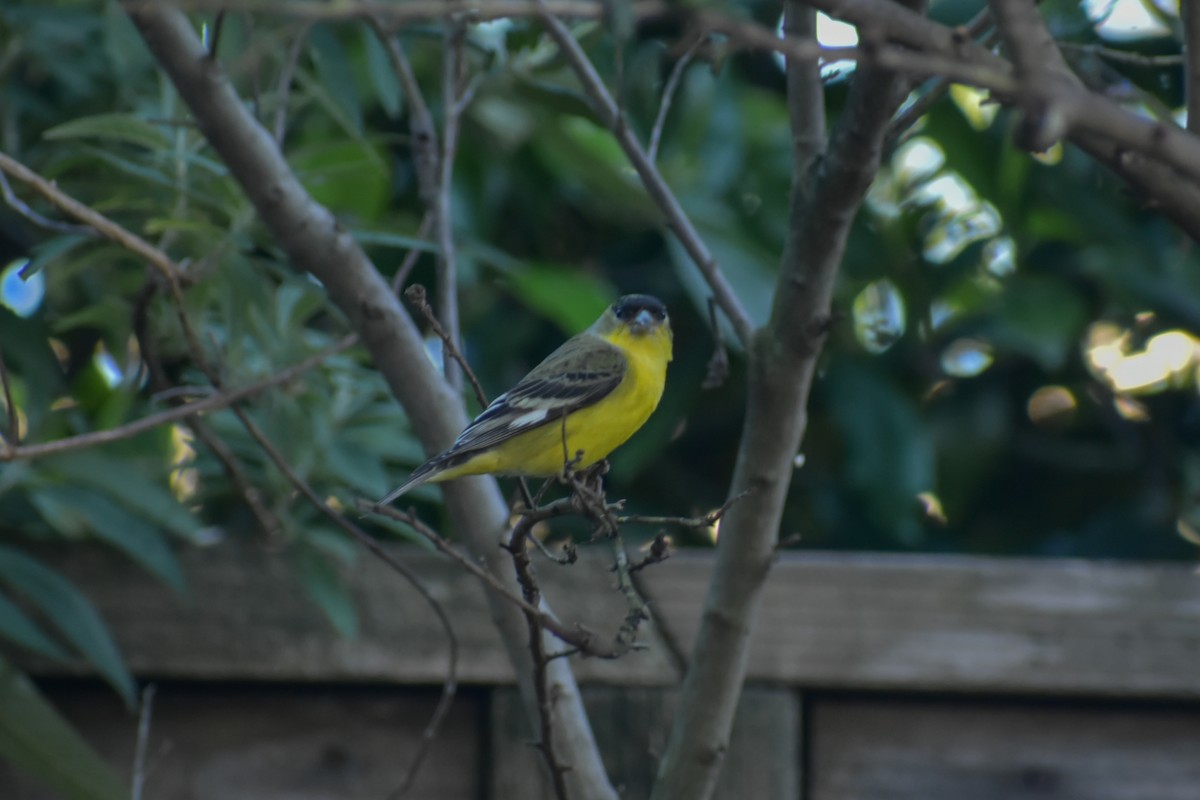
(383,77)
(889,458)
(50,250)
(113,127)
(101,314)
(747,263)
(71,612)
(37,740)
(123,481)
(389,239)
(295,302)
(130,534)
(17,627)
(328,590)
(356,469)
(1040,317)
(337,77)
(63,517)
(348,177)
(571,298)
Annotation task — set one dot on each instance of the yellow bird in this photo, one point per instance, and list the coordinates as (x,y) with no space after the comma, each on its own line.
(605,381)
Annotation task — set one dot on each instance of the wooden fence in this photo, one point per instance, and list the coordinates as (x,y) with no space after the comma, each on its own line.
(871,678)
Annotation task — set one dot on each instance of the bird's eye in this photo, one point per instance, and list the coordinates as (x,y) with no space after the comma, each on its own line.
(621,310)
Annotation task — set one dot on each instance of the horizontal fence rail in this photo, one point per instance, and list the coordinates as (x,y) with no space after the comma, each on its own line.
(829,621)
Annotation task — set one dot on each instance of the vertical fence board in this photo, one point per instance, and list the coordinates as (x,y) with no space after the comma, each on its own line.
(919,749)
(276,743)
(631,728)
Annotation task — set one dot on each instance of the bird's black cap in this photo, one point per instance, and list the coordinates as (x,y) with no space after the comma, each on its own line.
(628,306)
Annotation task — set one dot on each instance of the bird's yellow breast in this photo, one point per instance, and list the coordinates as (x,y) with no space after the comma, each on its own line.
(598,429)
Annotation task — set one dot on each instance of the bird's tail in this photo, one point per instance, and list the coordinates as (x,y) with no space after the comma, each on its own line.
(421,475)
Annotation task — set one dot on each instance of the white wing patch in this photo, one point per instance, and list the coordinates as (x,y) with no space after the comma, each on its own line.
(528,420)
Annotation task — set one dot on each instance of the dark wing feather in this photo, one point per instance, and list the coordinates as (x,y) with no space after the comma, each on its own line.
(578,374)
(581,372)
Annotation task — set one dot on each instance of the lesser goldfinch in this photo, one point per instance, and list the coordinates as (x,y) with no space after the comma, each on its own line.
(605,381)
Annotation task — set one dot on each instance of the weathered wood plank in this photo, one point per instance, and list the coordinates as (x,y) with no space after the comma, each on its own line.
(631,726)
(915,750)
(276,743)
(828,621)
(966,624)
(247,617)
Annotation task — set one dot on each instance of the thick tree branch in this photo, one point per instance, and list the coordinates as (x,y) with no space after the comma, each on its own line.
(1091,115)
(806,97)
(826,195)
(412,11)
(315,242)
(1038,62)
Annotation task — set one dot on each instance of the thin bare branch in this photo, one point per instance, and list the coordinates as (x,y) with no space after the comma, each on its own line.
(668,95)
(420,119)
(93,219)
(579,637)
(660,551)
(413,255)
(212,402)
(417,296)
(21,207)
(13,434)
(532,595)
(937,87)
(1121,56)
(606,108)
(145,713)
(703,521)
(283,88)
(453,64)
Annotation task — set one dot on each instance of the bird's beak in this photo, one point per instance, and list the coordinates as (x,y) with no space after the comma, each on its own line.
(643,322)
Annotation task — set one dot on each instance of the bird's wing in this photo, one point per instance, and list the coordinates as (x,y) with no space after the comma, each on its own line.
(578,374)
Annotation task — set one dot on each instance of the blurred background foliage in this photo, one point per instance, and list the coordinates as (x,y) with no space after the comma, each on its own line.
(1014,371)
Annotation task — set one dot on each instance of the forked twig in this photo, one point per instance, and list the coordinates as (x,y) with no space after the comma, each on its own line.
(21,207)
(419,300)
(537,647)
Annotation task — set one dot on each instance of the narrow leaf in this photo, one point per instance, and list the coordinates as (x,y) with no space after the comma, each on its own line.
(35,739)
(328,590)
(111,127)
(71,612)
(18,628)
